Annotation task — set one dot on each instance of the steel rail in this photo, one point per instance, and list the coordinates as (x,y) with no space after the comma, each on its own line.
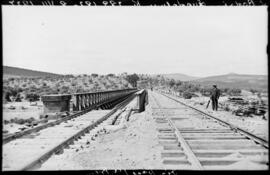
(249,135)
(70,140)
(189,153)
(191,156)
(38,128)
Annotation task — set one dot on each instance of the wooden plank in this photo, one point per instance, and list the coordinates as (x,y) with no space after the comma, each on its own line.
(191,157)
(228,161)
(205,130)
(224,146)
(173,154)
(176,161)
(224,154)
(215,137)
(172,147)
(246,151)
(231,142)
(167,137)
(209,134)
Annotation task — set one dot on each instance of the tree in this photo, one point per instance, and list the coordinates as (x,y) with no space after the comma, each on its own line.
(111,75)
(172,83)
(94,75)
(178,83)
(132,79)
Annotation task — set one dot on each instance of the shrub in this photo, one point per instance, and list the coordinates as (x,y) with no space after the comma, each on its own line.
(227,108)
(68,76)
(73,84)
(94,75)
(178,83)
(29,120)
(111,75)
(205,91)
(19,121)
(187,95)
(234,92)
(172,82)
(7,97)
(6,122)
(253,91)
(32,97)
(18,98)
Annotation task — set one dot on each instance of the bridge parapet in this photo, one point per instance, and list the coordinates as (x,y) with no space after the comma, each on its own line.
(142,100)
(80,101)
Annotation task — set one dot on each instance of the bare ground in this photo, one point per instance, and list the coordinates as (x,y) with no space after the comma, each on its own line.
(134,147)
(19,113)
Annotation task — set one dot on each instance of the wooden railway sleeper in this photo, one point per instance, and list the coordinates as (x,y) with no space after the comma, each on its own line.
(253,137)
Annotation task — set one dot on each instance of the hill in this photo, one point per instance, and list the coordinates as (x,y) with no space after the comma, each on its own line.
(20,72)
(233,80)
(65,84)
(181,77)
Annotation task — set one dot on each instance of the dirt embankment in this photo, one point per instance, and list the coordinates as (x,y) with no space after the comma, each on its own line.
(133,147)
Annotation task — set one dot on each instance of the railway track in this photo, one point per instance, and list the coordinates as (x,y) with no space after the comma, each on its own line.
(29,151)
(16,135)
(194,140)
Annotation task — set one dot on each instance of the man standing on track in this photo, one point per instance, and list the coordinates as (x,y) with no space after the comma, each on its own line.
(215,93)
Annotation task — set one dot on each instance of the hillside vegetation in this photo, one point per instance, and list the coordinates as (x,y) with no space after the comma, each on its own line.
(18,88)
(181,77)
(40,83)
(232,80)
(20,72)
(258,82)
(191,88)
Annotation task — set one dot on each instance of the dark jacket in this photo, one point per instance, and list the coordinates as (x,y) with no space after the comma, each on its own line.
(215,93)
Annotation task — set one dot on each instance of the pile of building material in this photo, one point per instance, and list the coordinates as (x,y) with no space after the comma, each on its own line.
(12,107)
(244,107)
(250,110)
(237,100)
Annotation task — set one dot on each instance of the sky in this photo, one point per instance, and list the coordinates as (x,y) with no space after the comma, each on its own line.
(197,41)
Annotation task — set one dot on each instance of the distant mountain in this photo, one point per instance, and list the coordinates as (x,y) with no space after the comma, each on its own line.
(178,76)
(20,72)
(233,80)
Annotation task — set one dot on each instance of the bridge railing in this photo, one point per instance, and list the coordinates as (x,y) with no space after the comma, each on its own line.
(81,101)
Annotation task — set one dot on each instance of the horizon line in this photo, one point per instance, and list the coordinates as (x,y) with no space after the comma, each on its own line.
(136,73)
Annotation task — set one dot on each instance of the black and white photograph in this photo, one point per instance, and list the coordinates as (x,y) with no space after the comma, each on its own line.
(133,87)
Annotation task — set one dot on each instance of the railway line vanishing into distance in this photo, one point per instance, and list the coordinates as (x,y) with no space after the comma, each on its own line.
(194,140)
(16,135)
(190,138)
(28,150)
